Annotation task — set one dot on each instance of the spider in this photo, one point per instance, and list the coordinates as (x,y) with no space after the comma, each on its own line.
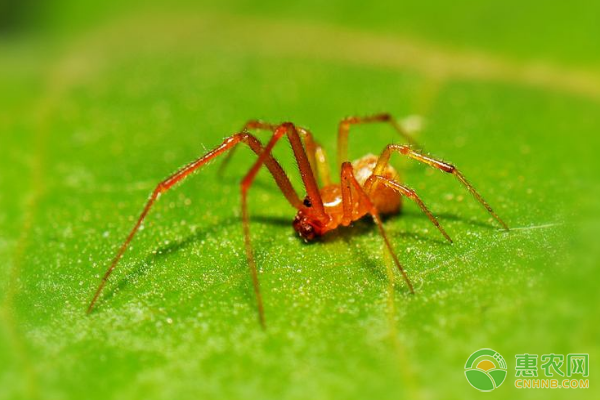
(369,185)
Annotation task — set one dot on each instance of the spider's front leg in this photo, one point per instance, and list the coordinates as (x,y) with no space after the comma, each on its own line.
(348,183)
(314,151)
(312,191)
(228,144)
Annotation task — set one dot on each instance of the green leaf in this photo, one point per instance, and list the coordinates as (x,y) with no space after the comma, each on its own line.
(101,101)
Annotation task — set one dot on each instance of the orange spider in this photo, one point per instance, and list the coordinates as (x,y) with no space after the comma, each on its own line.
(368,185)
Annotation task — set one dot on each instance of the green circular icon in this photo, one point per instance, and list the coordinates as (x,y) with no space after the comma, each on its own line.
(485,370)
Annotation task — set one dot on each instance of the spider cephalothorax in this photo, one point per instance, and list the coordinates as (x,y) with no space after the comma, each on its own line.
(367,186)
(307,228)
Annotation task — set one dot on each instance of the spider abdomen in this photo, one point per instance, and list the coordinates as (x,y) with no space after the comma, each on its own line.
(384,198)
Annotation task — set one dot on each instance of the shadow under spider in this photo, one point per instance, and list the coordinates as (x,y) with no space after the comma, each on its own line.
(345,234)
(364,225)
(142,268)
(474,222)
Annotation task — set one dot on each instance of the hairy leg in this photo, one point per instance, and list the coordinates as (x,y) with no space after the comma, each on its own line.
(310,184)
(408,192)
(315,152)
(435,163)
(229,143)
(312,191)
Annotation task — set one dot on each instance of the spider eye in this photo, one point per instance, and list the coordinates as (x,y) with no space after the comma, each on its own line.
(304,228)
(308,232)
(307,202)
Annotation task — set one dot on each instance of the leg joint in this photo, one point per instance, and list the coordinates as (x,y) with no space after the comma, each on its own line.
(385,117)
(161,188)
(400,148)
(449,168)
(347,121)
(288,126)
(245,185)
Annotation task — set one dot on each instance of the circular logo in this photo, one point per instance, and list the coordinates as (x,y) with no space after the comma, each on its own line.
(485,370)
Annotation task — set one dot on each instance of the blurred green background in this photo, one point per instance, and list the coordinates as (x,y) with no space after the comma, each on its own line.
(101,100)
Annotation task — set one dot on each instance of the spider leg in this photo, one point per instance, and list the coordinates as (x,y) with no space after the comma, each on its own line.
(344,131)
(310,184)
(315,152)
(229,143)
(408,192)
(250,125)
(317,157)
(438,164)
(348,182)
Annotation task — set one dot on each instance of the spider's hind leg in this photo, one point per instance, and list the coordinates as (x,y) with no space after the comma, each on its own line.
(437,164)
(408,192)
